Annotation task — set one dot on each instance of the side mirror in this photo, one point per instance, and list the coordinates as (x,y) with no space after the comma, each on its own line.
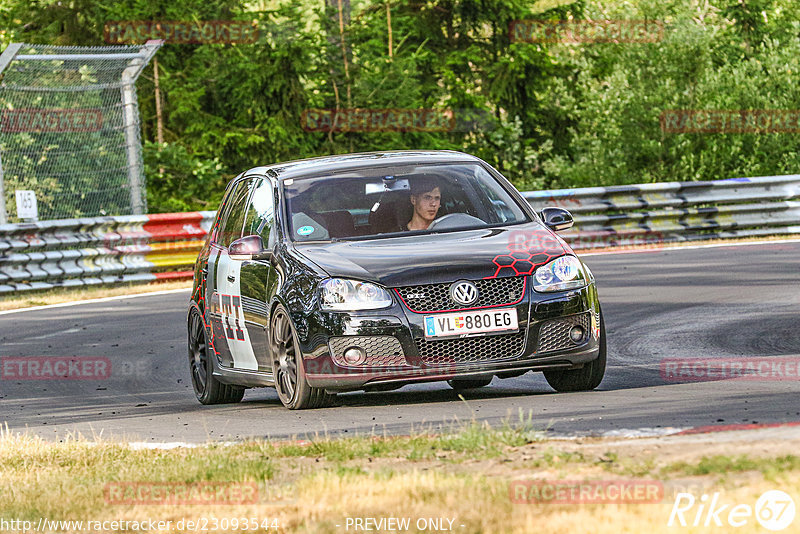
(249,247)
(557,219)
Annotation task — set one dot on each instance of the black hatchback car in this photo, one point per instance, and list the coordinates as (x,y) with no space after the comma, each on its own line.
(373,271)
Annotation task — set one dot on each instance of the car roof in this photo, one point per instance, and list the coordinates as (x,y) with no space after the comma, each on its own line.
(323,164)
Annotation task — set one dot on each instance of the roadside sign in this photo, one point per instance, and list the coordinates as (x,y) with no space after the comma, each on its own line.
(26,204)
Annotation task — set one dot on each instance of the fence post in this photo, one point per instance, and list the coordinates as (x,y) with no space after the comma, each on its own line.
(130,115)
(3,214)
(5,58)
(131,128)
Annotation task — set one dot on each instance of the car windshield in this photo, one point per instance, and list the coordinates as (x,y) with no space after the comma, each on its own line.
(382,201)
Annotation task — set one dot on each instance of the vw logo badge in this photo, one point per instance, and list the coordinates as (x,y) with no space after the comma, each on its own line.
(464,293)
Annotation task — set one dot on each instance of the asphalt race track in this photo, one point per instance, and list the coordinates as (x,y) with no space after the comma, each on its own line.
(721,302)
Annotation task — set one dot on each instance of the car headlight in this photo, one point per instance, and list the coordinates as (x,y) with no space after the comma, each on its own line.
(338,294)
(565,272)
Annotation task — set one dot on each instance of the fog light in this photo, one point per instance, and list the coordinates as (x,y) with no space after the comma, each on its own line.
(354,356)
(576,334)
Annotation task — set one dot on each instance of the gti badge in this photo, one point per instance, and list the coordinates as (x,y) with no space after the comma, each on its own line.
(464,293)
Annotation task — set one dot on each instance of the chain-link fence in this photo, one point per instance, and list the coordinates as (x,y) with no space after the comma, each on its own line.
(69,129)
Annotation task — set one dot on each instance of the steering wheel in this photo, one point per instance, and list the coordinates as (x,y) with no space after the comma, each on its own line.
(455,220)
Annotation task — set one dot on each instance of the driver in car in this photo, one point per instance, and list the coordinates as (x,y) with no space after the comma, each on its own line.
(426,198)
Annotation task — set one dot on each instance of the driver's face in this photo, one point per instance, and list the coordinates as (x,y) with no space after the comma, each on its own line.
(426,205)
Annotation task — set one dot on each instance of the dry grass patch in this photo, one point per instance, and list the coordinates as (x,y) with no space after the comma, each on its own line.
(315,486)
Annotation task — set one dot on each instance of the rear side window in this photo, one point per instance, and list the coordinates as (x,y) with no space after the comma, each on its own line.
(231,228)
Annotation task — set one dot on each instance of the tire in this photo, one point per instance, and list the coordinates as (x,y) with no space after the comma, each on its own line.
(207,388)
(469,383)
(288,369)
(586,378)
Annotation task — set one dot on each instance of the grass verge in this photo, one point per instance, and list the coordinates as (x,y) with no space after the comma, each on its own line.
(459,481)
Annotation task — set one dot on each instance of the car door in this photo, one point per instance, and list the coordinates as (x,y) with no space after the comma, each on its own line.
(230,337)
(208,259)
(213,307)
(257,278)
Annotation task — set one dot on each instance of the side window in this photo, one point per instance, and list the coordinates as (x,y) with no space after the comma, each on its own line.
(222,213)
(231,228)
(499,210)
(260,217)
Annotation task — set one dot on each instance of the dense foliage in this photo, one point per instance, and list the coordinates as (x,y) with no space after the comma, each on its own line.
(553,114)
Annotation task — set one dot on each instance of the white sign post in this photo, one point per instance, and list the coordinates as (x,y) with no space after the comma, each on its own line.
(26,205)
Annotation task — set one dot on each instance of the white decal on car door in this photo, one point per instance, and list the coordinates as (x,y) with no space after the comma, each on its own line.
(230,295)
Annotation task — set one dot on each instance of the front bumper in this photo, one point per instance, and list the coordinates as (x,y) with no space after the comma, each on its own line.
(398,353)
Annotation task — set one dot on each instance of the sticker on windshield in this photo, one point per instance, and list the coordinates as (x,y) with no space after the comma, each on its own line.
(305,230)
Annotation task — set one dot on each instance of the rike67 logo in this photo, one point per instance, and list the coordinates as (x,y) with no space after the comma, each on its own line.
(774,510)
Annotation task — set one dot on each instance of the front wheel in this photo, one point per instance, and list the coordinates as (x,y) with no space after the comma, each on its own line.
(287,366)
(586,378)
(207,388)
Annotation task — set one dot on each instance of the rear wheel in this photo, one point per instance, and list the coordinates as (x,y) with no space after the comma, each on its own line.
(469,383)
(287,366)
(586,378)
(207,388)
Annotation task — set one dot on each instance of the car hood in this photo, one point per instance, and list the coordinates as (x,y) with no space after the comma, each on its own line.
(438,258)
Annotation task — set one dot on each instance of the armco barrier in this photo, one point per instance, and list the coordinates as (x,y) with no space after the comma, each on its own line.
(100,250)
(107,250)
(669,212)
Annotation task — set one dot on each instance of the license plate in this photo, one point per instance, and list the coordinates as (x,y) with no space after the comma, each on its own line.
(472,322)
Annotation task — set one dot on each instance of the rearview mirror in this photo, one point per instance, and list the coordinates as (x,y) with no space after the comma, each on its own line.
(557,219)
(249,247)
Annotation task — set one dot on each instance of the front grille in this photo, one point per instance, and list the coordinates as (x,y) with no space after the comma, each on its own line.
(382,351)
(472,349)
(436,297)
(554,334)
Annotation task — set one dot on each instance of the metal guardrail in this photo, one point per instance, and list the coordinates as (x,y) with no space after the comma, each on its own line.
(670,212)
(100,250)
(107,250)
